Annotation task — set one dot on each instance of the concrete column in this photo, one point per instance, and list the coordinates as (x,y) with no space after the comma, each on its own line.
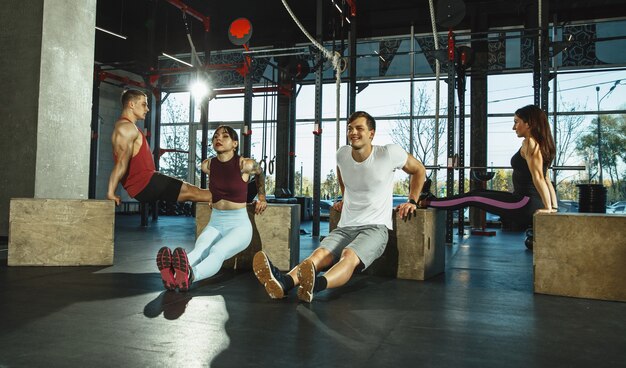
(46,92)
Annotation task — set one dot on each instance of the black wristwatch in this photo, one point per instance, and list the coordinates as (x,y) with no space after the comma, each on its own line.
(412,201)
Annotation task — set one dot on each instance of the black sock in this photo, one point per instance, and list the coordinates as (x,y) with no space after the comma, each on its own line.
(320,284)
(288,282)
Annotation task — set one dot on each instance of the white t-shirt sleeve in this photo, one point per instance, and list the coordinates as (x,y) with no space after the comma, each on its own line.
(342,155)
(397,155)
(341,152)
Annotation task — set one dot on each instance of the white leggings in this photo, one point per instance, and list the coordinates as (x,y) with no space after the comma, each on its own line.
(228,233)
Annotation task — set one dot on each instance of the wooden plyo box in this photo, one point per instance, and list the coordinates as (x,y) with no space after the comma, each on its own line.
(276,231)
(416,246)
(580,255)
(61,232)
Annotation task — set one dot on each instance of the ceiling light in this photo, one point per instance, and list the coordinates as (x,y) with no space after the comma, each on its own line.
(111,33)
(199,90)
(380,56)
(177,59)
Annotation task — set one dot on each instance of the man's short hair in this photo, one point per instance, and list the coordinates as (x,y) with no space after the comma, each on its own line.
(131,95)
(371,123)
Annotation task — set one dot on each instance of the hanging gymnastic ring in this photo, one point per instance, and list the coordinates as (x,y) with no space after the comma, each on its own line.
(271,167)
(263,165)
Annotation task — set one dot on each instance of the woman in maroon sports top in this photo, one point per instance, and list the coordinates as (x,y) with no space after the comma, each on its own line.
(229,230)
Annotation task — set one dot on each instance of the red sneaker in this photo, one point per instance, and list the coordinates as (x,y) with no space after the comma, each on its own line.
(182,269)
(164,263)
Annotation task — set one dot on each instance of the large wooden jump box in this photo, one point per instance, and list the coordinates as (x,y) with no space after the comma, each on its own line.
(61,232)
(416,246)
(580,255)
(276,231)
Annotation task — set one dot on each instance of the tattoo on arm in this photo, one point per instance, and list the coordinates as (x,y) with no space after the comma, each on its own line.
(256,168)
(260,183)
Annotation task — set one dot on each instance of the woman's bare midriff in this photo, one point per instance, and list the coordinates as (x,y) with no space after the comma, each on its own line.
(227,205)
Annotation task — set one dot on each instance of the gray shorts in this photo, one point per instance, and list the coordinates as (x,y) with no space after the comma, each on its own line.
(368,242)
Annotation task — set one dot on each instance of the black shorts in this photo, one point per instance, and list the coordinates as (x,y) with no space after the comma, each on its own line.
(161,187)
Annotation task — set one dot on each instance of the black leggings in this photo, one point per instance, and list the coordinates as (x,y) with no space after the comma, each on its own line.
(512,206)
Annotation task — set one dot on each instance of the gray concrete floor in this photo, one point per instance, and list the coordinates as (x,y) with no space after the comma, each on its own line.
(481,313)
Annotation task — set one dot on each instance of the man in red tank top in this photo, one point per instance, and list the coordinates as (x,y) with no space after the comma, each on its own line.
(134,166)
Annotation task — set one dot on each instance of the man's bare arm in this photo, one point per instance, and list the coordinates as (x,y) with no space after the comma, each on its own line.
(418,175)
(339,204)
(123,139)
(340,180)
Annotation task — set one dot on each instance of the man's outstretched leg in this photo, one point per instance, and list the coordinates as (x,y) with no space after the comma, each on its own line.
(192,193)
(277,284)
(364,245)
(337,276)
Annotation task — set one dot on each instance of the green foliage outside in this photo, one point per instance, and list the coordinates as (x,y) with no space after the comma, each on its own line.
(613,147)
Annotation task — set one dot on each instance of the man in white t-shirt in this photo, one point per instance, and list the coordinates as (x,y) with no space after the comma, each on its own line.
(365,175)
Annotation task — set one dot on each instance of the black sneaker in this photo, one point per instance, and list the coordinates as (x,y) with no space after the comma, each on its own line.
(426,187)
(306,276)
(268,275)
(529,241)
(426,193)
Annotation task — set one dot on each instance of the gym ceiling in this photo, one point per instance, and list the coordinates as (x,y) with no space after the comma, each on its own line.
(156,26)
